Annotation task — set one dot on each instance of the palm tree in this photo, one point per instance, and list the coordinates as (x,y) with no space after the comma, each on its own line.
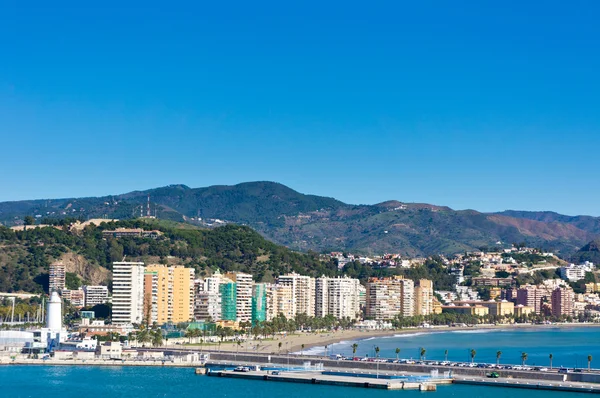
(446,355)
(354,348)
(498,355)
(143,336)
(302,349)
(422,353)
(551,357)
(473,353)
(397,353)
(589,362)
(279,346)
(523,358)
(157,338)
(376,351)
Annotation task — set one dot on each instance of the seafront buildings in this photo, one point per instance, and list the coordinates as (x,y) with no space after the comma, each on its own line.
(390,297)
(303,290)
(128,293)
(174,293)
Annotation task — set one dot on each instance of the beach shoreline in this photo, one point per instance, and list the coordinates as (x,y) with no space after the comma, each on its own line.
(302,342)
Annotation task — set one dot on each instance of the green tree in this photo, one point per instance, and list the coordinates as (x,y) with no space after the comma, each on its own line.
(498,355)
(279,346)
(473,353)
(422,352)
(29,220)
(589,359)
(397,353)
(446,355)
(551,358)
(523,358)
(302,349)
(354,348)
(72,281)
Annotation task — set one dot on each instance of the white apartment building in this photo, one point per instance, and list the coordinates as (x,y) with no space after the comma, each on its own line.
(128,293)
(207,299)
(303,288)
(338,297)
(574,272)
(58,272)
(243,287)
(95,295)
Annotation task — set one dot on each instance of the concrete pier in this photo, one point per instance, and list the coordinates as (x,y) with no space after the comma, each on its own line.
(565,386)
(335,380)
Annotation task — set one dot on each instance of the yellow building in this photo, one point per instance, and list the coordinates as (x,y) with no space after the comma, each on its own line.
(592,287)
(523,310)
(466,309)
(424,297)
(174,293)
(495,292)
(500,308)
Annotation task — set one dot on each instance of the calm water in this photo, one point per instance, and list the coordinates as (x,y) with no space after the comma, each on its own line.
(569,346)
(129,382)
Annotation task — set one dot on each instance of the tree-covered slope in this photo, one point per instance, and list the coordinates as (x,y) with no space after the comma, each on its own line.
(25,255)
(309,222)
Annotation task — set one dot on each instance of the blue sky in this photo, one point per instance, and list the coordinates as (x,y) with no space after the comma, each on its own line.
(485,105)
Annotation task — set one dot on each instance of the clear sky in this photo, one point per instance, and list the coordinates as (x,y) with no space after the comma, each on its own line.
(474,104)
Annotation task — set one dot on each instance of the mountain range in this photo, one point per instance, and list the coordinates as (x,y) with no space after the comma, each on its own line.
(309,222)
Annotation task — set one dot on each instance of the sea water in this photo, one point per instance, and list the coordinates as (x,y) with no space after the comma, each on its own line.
(20,381)
(570,346)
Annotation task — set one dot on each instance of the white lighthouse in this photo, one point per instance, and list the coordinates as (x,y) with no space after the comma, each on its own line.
(54,318)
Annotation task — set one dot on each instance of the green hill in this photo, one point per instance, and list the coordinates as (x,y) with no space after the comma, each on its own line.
(25,255)
(308,222)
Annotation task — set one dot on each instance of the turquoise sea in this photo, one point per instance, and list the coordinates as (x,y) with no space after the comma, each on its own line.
(153,382)
(568,345)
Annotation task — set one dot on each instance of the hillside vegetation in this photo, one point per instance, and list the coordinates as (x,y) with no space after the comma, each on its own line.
(26,255)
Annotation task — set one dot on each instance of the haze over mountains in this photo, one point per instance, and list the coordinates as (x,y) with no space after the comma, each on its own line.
(309,222)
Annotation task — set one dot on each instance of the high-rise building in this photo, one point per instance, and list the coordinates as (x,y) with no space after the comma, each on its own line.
(563,299)
(150,297)
(183,294)
(531,296)
(390,297)
(58,272)
(228,293)
(424,297)
(243,291)
(175,292)
(280,301)
(95,295)
(259,303)
(303,288)
(207,298)
(128,293)
(338,297)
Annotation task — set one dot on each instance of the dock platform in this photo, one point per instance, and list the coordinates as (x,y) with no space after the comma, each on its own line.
(564,386)
(336,380)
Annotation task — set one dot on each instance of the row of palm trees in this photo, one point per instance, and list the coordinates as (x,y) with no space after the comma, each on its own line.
(472,353)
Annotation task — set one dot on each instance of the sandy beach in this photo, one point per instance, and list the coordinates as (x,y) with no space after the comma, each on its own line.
(294,342)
